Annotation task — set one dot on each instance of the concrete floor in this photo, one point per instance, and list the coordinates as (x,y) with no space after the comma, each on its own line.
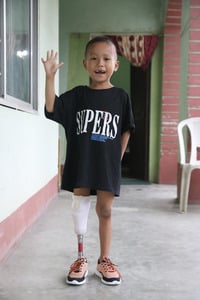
(157,250)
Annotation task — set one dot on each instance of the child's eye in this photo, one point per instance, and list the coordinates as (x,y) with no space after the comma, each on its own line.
(93,58)
(106,58)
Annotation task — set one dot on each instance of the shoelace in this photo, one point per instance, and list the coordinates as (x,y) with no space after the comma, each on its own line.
(77,265)
(109,266)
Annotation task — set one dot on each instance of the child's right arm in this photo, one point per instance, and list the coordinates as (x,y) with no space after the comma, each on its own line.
(51,66)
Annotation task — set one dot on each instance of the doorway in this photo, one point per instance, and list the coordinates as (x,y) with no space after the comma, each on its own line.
(135,163)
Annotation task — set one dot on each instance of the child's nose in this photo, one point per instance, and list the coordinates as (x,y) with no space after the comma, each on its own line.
(100,62)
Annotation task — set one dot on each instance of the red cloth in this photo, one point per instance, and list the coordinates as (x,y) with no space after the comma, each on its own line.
(138,49)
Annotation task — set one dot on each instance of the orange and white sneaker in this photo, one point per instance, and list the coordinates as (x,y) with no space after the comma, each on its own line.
(108,272)
(78,272)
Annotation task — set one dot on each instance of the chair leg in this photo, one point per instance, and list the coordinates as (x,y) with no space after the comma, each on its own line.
(184,190)
(182,193)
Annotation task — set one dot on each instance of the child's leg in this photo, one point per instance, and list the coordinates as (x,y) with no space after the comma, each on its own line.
(103,209)
(106,270)
(80,211)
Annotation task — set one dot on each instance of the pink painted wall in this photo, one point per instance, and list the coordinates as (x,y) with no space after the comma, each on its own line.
(14,226)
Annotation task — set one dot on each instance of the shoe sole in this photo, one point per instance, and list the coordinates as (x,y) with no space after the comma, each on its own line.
(114,282)
(75,282)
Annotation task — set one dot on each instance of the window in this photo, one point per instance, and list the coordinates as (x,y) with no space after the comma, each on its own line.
(18,54)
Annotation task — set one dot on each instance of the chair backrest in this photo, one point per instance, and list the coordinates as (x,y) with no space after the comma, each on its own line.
(193,125)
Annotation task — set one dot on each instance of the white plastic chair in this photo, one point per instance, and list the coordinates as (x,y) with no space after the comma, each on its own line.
(188,162)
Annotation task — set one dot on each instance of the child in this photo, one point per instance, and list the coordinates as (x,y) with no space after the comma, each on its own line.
(97,120)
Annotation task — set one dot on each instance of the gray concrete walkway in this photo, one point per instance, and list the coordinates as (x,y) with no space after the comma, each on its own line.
(157,250)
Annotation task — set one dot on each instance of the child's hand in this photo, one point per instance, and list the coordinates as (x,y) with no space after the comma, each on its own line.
(50,64)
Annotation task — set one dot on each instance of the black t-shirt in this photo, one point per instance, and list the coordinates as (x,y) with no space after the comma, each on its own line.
(94,121)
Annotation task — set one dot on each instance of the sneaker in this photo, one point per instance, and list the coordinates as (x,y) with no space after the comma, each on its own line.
(108,272)
(78,272)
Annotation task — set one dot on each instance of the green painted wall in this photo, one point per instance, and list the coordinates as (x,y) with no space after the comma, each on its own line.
(122,77)
(113,15)
(77,75)
(106,16)
(155,112)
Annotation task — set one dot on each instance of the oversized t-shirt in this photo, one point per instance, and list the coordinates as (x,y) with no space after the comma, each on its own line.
(94,121)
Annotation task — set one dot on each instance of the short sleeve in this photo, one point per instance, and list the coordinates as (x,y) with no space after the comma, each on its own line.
(128,118)
(63,107)
(58,113)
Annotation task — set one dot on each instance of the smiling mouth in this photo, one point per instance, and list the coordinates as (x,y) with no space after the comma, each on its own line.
(100,72)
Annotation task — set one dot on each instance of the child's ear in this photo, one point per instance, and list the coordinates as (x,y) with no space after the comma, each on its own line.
(84,64)
(117,65)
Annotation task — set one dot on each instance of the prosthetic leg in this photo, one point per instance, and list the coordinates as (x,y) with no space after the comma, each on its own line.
(80,211)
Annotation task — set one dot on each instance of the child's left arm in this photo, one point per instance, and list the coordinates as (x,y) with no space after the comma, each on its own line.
(124,141)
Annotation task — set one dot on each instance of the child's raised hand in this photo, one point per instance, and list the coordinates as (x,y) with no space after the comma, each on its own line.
(50,64)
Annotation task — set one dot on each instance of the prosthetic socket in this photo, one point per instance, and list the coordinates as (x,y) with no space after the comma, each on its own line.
(80,211)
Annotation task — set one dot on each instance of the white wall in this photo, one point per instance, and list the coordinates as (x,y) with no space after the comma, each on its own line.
(29,142)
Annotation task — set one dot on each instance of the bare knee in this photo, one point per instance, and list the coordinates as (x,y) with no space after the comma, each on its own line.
(103,212)
(104,204)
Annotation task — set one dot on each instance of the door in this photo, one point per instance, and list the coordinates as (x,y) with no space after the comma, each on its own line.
(136,159)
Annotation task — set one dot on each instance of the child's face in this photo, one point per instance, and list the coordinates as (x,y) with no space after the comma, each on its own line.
(101,62)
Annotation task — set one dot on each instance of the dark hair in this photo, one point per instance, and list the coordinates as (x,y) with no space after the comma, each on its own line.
(99,39)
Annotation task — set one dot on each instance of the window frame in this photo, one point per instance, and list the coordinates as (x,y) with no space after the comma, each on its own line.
(5,99)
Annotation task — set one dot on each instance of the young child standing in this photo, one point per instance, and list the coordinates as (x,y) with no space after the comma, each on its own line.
(98,121)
